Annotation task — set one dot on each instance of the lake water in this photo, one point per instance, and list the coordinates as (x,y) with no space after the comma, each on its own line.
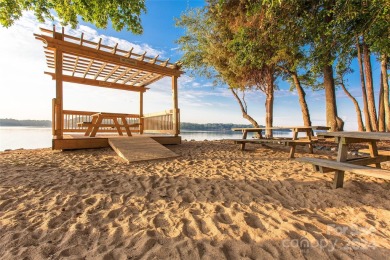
(34,137)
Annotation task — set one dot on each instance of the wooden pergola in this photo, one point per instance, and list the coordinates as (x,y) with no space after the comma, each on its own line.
(77,60)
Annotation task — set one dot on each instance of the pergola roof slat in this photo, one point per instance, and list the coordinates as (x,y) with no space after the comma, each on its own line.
(110,73)
(100,70)
(95,63)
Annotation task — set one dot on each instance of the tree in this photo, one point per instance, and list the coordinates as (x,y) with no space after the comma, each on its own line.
(297,84)
(381,107)
(312,25)
(122,14)
(324,37)
(385,91)
(369,86)
(342,69)
(206,54)
(244,107)
(363,86)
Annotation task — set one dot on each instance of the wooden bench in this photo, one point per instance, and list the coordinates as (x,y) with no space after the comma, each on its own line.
(380,152)
(284,141)
(325,165)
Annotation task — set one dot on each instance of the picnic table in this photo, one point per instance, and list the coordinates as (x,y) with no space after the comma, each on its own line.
(353,165)
(292,142)
(97,122)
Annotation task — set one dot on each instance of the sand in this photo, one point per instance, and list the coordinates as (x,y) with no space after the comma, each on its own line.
(213,202)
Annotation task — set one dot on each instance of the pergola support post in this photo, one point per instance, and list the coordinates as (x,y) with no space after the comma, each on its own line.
(175,118)
(141,113)
(59,118)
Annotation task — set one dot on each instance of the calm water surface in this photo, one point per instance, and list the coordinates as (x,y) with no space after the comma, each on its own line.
(33,137)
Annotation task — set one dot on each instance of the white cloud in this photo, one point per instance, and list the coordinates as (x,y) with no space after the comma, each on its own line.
(93,35)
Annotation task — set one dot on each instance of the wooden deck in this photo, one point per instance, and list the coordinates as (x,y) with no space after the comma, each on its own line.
(79,141)
(140,149)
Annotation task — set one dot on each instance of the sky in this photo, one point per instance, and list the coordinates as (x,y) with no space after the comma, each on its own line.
(26,92)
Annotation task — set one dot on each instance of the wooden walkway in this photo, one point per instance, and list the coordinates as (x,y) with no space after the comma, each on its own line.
(135,149)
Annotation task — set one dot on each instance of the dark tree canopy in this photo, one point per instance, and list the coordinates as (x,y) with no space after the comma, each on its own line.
(121,13)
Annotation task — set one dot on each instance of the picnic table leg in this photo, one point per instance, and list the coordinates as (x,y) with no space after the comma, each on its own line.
(308,135)
(374,152)
(295,134)
(260,136)
(127,127)
(91,126)
(244,135)
(292,151)
(118,128)
(338,180)
(96,126)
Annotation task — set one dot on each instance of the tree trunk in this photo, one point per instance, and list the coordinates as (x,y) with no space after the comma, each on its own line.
(269,106)
(363,85)
(302,100)
(381,108)
(330,96)
(340,124)
(357,108)
(244,109)
(370,86)
(385,91)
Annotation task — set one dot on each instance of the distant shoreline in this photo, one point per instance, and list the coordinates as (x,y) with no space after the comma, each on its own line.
(10,122)
(26,126)
(184,126)
(28,123)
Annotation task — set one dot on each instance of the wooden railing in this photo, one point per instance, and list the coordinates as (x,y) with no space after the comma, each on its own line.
(72,118)
(161,122)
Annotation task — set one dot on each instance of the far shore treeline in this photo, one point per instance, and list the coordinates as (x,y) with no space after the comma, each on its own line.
(15,122)
(210,126)
(183,126)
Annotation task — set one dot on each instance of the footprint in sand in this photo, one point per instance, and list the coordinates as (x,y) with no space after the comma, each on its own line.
(201,249)
(141,248)
(246,238)
(90,201)
(188,197)
(188,229)
(48,251)
(114,213)
(161,221)
(224,218)
(58,221)
(253,221)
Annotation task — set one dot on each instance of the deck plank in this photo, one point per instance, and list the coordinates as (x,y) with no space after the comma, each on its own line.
(140,149)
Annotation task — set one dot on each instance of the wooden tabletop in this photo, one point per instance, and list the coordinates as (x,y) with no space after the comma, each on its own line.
(360,135)
(249,129)
(106,114)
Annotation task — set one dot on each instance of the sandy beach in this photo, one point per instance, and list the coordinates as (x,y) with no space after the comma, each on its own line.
(213,202)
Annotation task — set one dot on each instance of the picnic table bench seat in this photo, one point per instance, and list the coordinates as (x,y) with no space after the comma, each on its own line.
(380,152)
(325,165)
(284,141)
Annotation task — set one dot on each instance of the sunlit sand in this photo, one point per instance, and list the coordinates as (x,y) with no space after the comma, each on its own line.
(214,201)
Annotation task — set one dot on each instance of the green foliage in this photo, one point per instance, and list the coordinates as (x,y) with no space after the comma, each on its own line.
(121,13)
(236,40)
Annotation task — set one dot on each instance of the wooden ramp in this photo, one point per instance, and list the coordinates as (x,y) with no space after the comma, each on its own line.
(135,149)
